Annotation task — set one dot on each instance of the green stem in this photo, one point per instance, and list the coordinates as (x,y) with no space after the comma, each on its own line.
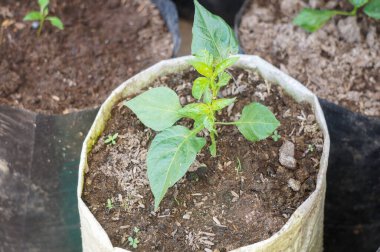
(347,13)
(40,27)
(213,144)
(197,129)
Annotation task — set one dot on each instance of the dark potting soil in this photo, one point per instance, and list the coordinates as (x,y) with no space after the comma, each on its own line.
(103,44)
(340,62)
(240,197)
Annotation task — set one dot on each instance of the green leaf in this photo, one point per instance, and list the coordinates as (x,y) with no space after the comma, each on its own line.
(223,79)
(199,87)
(45,12)
(311,20)
(257,122)
(222,103)
(194,110)
(33,16)
(224,64)
(205,57)
(372,9)
(201,67)
(43,4)
(55,21)
(358,3)
(213,34)
(169,157)
(156,108)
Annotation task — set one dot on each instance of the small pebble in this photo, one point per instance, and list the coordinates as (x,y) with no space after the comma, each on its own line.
(286,154)
(35,25)
(295,185)
(186,216)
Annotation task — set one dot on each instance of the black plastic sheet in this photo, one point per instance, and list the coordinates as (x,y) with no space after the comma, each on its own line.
(352,207)
(39,158)
(38,179)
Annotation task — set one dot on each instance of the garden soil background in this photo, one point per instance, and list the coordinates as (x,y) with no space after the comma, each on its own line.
(103,44)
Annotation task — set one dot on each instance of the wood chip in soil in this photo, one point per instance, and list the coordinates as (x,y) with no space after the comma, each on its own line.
(242,196)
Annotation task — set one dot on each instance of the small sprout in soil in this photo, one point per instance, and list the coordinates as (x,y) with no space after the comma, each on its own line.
(42,15)
(111,139)
(125,205)
(238,166)
(136,230)
(312,20)
(109,204)
(133,242)
(310,148)
(175,148)
(276,136)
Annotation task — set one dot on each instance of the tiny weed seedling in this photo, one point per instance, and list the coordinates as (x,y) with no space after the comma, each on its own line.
(133,242)
(310,148)
(111,139)
(42,15)
(174,149)
(312,20)
(276,136)
(238,166)
(109,204)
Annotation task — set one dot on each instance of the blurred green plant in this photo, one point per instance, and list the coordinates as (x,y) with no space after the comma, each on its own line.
(42,15)
(312,20)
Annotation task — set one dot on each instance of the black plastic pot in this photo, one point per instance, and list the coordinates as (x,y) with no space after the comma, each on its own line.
(352,206)
(224,8)
(39,157)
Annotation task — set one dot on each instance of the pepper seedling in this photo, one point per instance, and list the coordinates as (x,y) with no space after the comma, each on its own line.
(42,15)
(174,149)
(111,139)
(312,20)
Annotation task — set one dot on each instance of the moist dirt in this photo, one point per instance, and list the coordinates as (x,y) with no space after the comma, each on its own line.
(103,44)
(340,62)
(242,196)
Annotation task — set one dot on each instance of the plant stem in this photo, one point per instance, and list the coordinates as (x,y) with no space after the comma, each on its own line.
(213,144)
(197,129)
(40,27)
(346,13)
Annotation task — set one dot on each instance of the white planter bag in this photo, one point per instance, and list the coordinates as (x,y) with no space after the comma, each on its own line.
(304,229)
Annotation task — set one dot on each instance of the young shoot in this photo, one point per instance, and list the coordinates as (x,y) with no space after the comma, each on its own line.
(276,136)
(238,166)
(111,139)
(109,204)
(136,230)
(133,242)
(310,148)
(312,20)
(42,15)
(175,148)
